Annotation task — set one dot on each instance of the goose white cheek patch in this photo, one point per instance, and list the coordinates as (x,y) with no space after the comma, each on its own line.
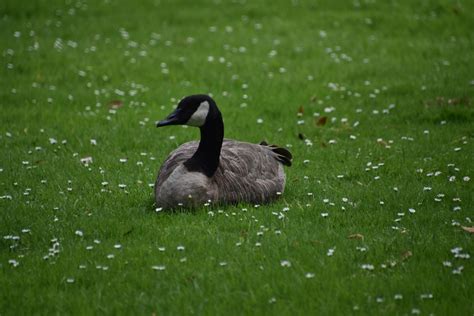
(199,117)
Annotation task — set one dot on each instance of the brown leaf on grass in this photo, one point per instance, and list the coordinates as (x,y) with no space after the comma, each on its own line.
(128,232)
(301,109)
(456,10)
(115,104)
(468,229)
(322,121)
(356,236)
(458,101)
(382,142)
(443,102)
(407,254)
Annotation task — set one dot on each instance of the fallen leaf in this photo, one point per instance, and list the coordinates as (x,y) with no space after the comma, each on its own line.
(128,232)
(468,229)
(356,236)
(382,142)
(407,254)
(458,101)
(301,109)
(442,101)
(115,104)
(322,121)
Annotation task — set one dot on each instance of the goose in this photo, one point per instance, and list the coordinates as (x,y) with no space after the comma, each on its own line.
(217,170)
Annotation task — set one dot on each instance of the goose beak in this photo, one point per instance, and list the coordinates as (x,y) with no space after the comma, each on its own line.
(172,119)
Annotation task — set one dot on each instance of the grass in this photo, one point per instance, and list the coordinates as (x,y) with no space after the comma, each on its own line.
(64,62)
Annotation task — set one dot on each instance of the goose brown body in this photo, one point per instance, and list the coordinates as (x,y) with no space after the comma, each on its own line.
(247,172)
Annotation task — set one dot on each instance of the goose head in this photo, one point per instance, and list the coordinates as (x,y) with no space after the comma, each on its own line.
(200,111)
(195,110)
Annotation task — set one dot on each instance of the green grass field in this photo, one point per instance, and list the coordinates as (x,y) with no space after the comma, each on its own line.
(373,98)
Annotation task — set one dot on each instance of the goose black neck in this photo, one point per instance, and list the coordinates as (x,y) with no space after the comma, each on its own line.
(206,158)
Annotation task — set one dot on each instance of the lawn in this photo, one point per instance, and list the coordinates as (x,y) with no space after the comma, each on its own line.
(373,98)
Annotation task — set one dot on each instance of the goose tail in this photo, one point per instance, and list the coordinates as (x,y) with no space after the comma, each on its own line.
(282,155)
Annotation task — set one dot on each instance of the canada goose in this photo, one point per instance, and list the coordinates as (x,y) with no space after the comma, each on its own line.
(216,169)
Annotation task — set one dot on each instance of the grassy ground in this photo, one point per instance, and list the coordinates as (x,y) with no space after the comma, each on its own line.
(370,222)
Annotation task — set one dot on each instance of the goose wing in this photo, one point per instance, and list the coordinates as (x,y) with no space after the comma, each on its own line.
(248,172)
